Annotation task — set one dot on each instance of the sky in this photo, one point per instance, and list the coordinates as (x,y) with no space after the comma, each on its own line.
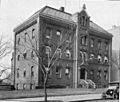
(13,12)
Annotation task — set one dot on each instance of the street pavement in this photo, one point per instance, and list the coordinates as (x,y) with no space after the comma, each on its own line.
(62,98)
(51,92)
(65,95)
(107,100)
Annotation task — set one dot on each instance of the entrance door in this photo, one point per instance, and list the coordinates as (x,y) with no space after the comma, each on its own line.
(82,73)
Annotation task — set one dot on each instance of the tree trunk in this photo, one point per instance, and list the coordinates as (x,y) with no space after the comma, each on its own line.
(45,88)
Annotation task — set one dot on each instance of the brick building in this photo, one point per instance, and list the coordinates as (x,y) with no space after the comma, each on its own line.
(84,57)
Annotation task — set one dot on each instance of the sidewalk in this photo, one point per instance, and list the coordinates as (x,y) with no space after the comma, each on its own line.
(51,92)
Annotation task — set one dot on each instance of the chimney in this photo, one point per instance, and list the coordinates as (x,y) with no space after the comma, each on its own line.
(62,9)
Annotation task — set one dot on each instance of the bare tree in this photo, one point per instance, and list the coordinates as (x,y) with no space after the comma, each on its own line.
(5,73)
(5,47)
(44,55)
(5,50)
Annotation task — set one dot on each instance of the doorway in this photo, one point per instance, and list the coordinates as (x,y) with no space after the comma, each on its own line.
(83,74)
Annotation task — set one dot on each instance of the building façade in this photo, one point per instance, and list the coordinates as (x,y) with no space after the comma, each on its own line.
(84,57)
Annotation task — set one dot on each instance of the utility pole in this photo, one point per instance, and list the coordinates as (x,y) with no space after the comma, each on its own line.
(119,72)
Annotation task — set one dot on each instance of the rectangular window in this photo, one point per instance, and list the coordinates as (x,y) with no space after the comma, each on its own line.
(68,39)
(92,74)
(32,71)
(18,41)
(33,33)
(106,46)
(82,40)
(24,73)
(58,71)
(99,44)
(18,73)
(67,71)
(92,43)
(50,73)
(24,55)
(105,75)
(25,38)
(48,33)
(86,40)
(99,74)
(58,33)
(58,52)
(18,58)
(32,54)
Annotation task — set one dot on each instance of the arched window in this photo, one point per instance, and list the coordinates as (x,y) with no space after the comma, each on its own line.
(24,55)
(105,59)
(99,59)
(68,53)
(92,56)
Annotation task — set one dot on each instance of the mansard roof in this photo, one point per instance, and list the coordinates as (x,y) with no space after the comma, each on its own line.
(59,15)
(97,29)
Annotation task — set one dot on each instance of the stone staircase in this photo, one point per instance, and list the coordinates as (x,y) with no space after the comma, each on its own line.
(83,83)
(86,83)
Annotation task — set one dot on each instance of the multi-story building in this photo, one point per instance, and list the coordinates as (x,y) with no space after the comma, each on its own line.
(83,50)
(115,30)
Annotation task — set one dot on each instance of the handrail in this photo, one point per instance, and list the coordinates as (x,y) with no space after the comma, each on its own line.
(91,83)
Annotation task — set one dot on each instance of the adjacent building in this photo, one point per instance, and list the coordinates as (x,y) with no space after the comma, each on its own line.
(115,30)
(83,52)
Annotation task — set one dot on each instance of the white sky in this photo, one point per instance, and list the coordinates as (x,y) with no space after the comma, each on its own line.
(13,12)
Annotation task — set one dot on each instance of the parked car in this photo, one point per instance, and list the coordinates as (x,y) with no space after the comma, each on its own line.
(112,91)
